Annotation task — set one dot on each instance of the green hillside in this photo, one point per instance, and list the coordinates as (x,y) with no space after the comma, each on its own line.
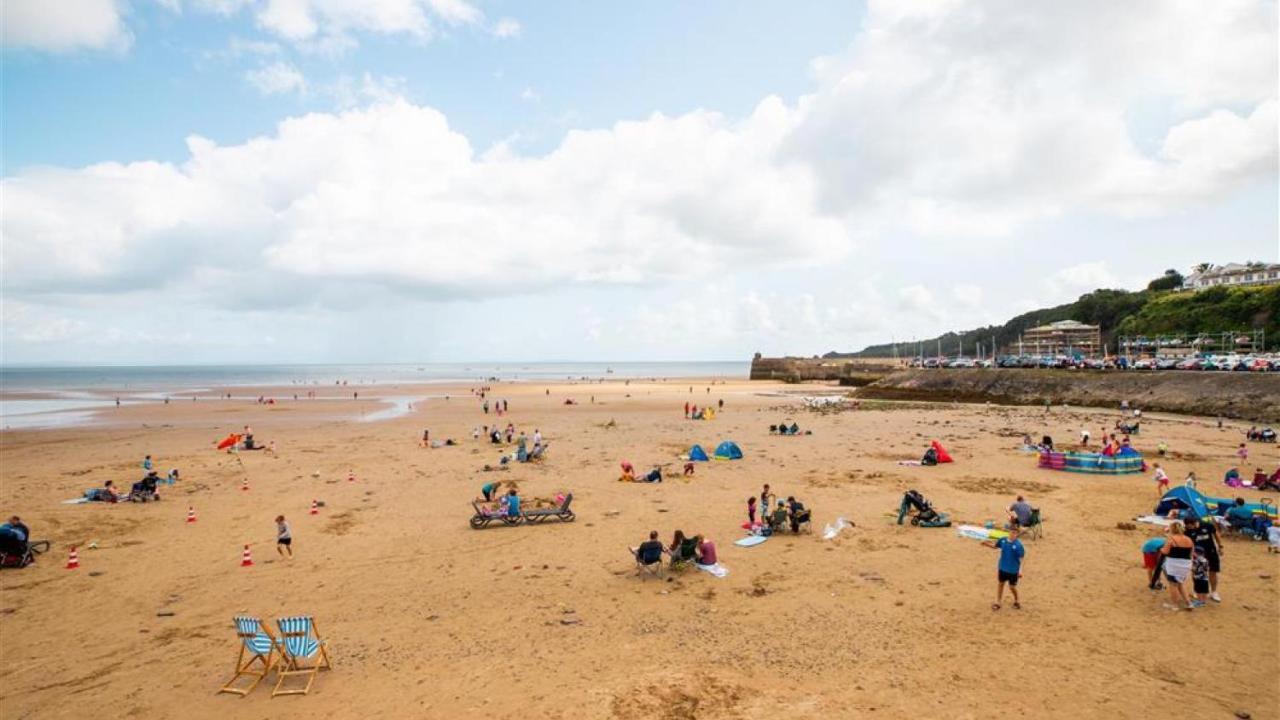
(1146,312)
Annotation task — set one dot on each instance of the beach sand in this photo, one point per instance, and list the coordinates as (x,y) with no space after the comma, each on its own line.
(428,618)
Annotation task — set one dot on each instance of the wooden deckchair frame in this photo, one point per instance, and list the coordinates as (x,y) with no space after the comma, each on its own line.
(243,667)
(292,664)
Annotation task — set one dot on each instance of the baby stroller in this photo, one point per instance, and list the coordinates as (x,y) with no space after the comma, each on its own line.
(921,511)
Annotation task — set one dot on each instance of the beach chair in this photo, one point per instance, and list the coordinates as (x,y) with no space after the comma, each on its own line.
(1035,527)
(650,563)
(261,647)
(302,652)
(686,553)
(560,511)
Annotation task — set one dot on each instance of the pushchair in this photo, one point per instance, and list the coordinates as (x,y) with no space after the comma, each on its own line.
(921,511)
(18,553)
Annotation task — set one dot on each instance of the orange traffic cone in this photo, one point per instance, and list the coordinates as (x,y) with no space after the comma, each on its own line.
(191,514)
(351,476)
(246,560)
(73,560)
(315,508)
(244,485)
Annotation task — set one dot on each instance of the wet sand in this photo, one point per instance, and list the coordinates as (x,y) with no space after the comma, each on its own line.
(427,618)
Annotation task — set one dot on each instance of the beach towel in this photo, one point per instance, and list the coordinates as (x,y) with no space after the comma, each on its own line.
(1154,520)
(75,501)
(750,540)
(717,570)
(910,463)
(975,532)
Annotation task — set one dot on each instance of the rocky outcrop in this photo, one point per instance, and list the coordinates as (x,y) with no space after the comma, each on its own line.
(1250,396)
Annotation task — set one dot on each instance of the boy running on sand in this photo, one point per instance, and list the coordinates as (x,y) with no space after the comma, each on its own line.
(284,537)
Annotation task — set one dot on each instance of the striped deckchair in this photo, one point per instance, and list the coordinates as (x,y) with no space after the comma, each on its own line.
(256,641)
(303,652)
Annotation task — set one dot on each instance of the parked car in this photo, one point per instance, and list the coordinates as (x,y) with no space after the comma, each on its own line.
(1166,364)
(1144,364)
(1262,365)
(1189,364)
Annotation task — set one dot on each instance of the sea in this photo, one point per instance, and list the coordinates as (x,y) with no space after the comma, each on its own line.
(65,395)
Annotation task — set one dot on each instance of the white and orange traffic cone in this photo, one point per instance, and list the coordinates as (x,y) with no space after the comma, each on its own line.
(246,560)
(315,508)
(191,514)
(244,485)
(73,560)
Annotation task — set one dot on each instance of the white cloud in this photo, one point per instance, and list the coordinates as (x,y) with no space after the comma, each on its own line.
(64,25)
(975,118)
(391,196)
(507,28)
(1084,277)
(276,79)
(328,25)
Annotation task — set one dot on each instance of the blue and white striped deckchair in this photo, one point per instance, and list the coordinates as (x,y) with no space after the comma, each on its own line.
(256,641)
(303,651)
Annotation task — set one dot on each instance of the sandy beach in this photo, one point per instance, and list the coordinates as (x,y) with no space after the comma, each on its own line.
(428,618)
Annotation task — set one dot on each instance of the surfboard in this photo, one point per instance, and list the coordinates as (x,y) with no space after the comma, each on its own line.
(750,540)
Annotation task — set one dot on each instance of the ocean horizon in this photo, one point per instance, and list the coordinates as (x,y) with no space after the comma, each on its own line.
(60,395)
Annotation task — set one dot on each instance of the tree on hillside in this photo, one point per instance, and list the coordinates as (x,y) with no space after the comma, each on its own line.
(1202,267)
(1171,280)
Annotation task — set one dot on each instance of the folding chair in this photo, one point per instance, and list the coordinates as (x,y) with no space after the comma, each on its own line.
(649,563)
(1035,528)
(303,653)
(257,641)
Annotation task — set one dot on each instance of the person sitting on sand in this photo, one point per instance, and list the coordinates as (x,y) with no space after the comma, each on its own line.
(1162,448)
(106,493)
(794,429)
(655,475)
(1272,482)
(1239,516)
(1259,478)
(683,548)
(1046,443)
(650,551)
(628,472)
(1232,478)
(1009,568)
(706,552)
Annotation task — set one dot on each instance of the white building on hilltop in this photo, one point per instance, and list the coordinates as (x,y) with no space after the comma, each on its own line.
(1233,274)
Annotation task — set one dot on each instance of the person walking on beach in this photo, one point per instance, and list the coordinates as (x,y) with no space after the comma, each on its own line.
(284,537)
(1009,568)
(486,407)
(1084,438)
(686,410)
(146,463)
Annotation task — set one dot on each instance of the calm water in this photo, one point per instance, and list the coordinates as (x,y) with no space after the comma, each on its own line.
(79,391)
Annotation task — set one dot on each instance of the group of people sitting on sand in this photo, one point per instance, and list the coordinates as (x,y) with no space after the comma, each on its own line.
(769,514)
(683,550)
(144,490)
(1266,434)
(524,451)
(783,428)
(1260,481)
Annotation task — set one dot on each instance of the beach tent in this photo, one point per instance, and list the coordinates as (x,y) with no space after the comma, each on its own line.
(1183,498)
(728,450)
(696,453)
(943,455)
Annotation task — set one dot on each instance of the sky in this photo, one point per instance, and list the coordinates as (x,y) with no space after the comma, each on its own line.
(216,181)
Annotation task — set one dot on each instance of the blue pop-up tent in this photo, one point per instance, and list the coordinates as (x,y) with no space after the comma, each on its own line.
(696,453)
(1184,498)
(728,450)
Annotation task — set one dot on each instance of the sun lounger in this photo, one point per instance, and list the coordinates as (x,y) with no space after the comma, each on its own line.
(485,515)
(562,512)
(302,653)
(261,647)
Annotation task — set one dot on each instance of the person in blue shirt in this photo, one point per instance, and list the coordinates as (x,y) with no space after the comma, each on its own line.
(513,503)
(1009,568)
(146,463)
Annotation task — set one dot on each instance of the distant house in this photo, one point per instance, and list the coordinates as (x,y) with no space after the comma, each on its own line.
(1062,337)
(1233,274)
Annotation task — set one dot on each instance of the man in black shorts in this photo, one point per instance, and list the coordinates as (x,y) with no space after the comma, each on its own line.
(1205,536)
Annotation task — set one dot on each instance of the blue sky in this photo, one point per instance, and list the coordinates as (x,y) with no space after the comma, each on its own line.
(419,180)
